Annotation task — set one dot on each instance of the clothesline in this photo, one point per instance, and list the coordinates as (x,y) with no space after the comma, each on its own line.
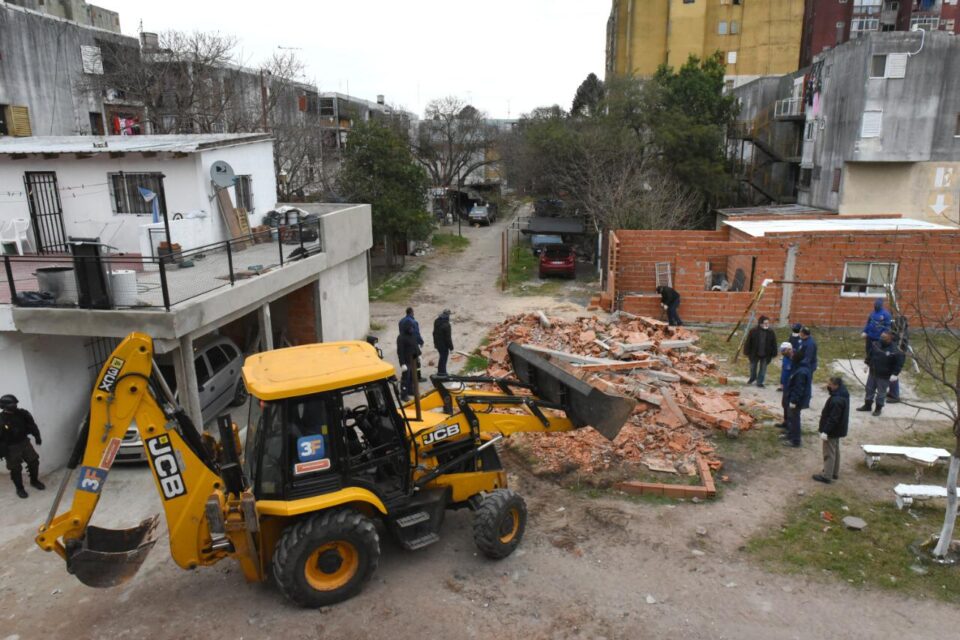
(78,187)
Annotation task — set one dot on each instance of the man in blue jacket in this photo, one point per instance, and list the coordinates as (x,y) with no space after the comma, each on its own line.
(796,398)
(877,322)
(885,363)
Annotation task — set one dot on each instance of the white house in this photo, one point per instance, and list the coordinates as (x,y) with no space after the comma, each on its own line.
(88,186)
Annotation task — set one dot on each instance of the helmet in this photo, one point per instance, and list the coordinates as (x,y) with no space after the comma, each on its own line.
(8,401)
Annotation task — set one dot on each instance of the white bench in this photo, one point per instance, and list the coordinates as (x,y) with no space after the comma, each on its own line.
(908,493)
(921,457)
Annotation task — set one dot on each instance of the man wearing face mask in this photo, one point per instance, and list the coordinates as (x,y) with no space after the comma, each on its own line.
(760,347)
(885,363)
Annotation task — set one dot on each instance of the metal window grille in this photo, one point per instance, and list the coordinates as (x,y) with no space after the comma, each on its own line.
(125,192)
(664,274)
(98,350)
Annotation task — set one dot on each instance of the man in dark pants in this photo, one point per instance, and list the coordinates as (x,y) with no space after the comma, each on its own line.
(796,398)
(808,353)
(899,330)
(885,363)
(670,300)
(15,425)
(760,347)
(794,343)
(408,350)
(877,322)
(443,340)
(408,319)
(834,420)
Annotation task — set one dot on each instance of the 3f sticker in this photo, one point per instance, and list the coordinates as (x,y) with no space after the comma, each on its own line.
(165,466)
(91,479)
(310,448)
(110,376)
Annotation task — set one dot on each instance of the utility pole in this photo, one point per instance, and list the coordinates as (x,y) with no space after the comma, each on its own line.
(263,101)
(459,217)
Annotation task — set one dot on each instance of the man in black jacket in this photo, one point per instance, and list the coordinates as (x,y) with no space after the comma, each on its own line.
(443,340)
(15,425)
(760,347)
(885,363)
(834,420)
(670,300)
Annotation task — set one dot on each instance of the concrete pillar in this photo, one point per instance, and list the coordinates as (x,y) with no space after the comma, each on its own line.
(789,273)
(266,327)
(188,389)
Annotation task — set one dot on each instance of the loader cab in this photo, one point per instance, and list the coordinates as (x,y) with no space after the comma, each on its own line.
(327,420)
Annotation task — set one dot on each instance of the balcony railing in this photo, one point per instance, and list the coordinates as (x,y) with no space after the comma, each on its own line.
(146,282)
(789,108)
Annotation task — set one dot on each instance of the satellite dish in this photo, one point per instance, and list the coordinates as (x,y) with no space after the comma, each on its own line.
(222,174)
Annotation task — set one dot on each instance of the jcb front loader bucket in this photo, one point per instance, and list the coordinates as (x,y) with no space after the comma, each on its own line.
(109,557)
(584,405)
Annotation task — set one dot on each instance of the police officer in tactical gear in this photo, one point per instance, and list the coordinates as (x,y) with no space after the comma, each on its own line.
(15,425)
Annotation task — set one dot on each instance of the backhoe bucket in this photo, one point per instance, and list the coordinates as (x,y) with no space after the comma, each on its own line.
(110,557)
(584,404)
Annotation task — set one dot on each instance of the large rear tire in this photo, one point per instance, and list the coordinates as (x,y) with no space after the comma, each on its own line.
(499,523)
(326,558)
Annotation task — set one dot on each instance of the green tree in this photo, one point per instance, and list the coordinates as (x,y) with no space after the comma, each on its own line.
(589,97)
(379,169)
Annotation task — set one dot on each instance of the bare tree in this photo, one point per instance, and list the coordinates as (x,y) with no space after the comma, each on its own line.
(453,141)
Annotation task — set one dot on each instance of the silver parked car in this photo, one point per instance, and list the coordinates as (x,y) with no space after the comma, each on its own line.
(218,364)
(481,214)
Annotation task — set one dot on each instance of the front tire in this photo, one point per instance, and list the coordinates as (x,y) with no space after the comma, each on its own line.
(499,523)
(240,395)
(326,558)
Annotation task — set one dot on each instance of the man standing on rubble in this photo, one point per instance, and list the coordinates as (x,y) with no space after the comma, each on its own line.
(443,340)
(834,420)
(670,300)
(796,398)
(760,347)
(884,365)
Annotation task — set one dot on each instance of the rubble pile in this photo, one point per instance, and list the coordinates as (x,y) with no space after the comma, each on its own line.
(659,366)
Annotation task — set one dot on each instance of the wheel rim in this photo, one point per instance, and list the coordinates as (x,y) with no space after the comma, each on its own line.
(331,565)
(509,526)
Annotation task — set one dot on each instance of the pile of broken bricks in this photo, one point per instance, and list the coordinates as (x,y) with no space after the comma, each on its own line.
(643,358)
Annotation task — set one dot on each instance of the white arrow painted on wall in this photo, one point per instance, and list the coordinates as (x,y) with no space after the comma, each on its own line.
(939,206)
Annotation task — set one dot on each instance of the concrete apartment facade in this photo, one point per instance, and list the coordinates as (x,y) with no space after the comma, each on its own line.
(850,135)
(94,181)
(75,11)
(827,270)
(757,37)
(52,355)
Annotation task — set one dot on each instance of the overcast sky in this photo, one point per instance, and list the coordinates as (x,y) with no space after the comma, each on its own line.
(504,56)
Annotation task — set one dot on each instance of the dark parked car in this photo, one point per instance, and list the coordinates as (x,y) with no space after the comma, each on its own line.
(548,207)
(558,260)
(481,214)
(539,241)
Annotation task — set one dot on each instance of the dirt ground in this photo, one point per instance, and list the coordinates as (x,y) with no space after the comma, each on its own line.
(587,567)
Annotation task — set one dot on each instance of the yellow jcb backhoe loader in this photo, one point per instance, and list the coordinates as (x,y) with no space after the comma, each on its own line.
(328,449)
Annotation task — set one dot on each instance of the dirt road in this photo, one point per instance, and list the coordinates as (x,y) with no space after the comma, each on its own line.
(587,568)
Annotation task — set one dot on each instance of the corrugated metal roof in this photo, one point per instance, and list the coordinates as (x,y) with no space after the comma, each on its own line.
(760,228)
(775,210)
(127,144)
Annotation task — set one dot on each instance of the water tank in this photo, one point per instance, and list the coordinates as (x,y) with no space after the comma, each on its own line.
(149,41)
(380,99)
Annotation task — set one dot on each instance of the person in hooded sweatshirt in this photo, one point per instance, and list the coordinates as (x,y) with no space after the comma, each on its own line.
(796,398)
(408,350)
(834,420)
(877,322)
(443,340)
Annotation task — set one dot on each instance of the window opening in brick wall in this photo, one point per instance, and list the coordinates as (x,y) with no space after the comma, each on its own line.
(730,273)
(867,278)
(125,192)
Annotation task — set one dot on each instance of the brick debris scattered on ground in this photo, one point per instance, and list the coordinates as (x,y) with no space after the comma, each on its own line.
(659,366)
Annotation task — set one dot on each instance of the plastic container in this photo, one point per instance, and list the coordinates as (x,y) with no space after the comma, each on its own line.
(61,282)
(123,283)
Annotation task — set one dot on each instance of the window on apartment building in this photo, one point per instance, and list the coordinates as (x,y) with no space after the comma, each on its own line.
(871,125)
(837,175)
(688,1)
(734,27)
(948,25)
(806,176)
(243,186)
(125,192)
(722,27)
(810,130)
(878,66)
(889,65)
(731,57)
(868,278)
(730,273)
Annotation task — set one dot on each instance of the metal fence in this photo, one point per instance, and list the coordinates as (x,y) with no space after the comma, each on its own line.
(164,281)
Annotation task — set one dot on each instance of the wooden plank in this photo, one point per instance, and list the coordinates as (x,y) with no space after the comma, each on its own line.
(674,408)
(686,377)
(229,216)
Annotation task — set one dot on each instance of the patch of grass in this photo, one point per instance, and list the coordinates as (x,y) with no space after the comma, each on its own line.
(924,385)
(475,363)
(757,445)
(879,556)
(399,286)
(376,326)
(942,438)
(523,266)
(449,242)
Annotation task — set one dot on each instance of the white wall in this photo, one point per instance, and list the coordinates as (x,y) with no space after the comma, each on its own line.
(51,378)
(88,210)
(344,301)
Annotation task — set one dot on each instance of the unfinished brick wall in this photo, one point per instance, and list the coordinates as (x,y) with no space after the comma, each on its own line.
(928,261)
(302,320)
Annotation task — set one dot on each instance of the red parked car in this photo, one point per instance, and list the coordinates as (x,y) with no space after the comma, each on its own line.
(558,260)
